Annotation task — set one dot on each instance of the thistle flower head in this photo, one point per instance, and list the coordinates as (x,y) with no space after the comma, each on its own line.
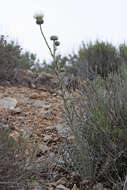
(39,17)
(54,38)
(57,43)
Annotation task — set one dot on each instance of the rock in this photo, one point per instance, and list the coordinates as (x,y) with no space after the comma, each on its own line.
(5,83)
(51,188)
(74,187)
(60,127)
(47,138)
(42,88)
(43,77)
(63,129)
(50,128)
(38,103)
(52,155)
(30,74)
(26,132)
(23,78)
(45,111)
(62,181)
(85,182)
(8,103)
(46,114)
(54,94)
(71,139)
(47,80)
(16,110)
(61,187)
(28,100)
(46,106)
(98,186)
(57,177)
(34,95)
(43,148)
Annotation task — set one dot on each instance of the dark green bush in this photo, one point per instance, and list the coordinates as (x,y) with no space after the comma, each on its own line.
(12,56)
(100,58)
(123,52)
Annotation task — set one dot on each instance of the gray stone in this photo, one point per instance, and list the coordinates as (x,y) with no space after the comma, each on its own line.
(46,106)
(51,188)
(16,110)
(63,129)
(98,186)
(62,181)
(38,103)
(26,132)
(8,103)
(43,148)
(47,138)
(61,187)
(71,139)
(52,155)
(46,114)
(50,128)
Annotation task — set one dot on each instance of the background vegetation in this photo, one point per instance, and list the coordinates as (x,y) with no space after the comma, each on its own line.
(12,56)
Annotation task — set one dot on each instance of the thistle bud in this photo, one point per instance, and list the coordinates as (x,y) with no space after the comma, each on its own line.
(54,38)
(39,19)
(57,43)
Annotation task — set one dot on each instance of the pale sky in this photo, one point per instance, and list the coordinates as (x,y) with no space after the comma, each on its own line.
(73,21)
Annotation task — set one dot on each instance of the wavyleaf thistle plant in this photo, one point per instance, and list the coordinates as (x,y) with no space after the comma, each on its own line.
(98,123)
(57,69)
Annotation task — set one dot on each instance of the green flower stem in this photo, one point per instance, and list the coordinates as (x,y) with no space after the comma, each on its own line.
(46,42)
(54,50)
(54,55)
(57,72)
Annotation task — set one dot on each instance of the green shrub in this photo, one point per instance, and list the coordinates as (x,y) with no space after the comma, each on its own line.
(98,121)
(123,52)
(100,58)
(12,56)
(15,158)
